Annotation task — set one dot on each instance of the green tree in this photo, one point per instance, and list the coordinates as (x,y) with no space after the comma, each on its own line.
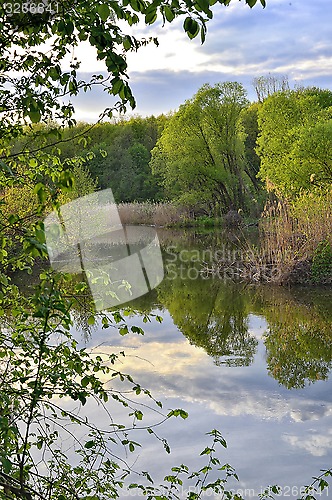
(200,154)
(295,141)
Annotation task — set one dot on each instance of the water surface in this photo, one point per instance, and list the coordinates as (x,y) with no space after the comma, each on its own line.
(252,361)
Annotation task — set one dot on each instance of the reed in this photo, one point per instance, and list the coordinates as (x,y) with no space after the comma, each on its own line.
(160,214)
(292,238)
(291,234)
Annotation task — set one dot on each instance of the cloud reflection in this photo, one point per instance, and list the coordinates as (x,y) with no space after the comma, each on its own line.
(180,370)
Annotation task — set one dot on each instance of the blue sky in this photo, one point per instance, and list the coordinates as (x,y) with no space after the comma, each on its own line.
(288,37)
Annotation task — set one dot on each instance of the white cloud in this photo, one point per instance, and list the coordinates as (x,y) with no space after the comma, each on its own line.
(178,370)
(314,443)
(288,37)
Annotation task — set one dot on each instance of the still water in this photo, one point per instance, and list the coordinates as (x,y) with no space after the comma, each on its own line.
(253,361)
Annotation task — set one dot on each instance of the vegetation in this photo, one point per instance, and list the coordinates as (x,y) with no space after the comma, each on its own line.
(200,155)
(294,141)
(156,214)
(41,365)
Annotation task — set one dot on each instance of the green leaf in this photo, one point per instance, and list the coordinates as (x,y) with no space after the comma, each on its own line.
(33,162)
(191,27)
(41,192)
(138,415)
(35,116)
(151,16)
(89,444)
(123,330)
(169,14)
(251,3)
(103,11)
(178,413)
(207,451)
(205,6)
(7,465)
(91,320)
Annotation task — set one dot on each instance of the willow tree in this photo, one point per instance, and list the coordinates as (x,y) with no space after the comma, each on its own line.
(200,154)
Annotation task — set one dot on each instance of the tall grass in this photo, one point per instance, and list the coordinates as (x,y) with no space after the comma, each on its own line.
(153,213)
(291,234)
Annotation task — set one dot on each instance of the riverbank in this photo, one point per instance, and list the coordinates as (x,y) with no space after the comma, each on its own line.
(294,247)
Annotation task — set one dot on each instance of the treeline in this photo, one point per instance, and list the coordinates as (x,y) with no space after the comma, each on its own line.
(218,152)
(116,154)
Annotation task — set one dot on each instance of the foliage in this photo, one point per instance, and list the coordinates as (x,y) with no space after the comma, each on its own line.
(322,261)
(42,367)
(200,155)
(41,364)
(295,141)
(116,154)
(249,122)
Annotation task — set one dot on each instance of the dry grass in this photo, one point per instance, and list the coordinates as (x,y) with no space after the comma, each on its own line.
(289,237)
(154,214)
(291,234)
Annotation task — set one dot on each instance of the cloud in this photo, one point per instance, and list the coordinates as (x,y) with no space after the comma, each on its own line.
(287,37)
(176,369)
(315,443)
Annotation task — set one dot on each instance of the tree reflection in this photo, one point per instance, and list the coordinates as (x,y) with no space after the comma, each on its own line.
(211,314)
(299,338)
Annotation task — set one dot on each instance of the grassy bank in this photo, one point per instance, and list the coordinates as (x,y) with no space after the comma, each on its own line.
(168,214)
(295,245)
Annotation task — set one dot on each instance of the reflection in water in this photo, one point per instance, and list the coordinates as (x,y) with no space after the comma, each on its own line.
(254,343)
(213,314)
(299,337)
(228,354)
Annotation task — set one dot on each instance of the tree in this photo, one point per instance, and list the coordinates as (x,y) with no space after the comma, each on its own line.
(294,140)
(249,120)
(269,85)
(200,154)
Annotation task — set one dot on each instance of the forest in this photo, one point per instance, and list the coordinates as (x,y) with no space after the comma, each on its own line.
(218,152)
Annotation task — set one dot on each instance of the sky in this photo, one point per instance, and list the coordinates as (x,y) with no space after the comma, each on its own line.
(288,37)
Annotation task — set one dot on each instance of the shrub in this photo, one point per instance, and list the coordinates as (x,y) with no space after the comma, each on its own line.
(322,262)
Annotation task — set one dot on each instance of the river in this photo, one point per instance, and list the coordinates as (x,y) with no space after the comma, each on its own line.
(252,361)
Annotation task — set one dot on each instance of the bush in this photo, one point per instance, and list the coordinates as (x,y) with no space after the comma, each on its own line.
(322,263)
